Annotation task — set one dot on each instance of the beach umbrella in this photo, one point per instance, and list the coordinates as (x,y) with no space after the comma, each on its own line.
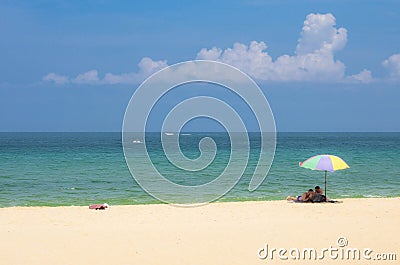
(325,163)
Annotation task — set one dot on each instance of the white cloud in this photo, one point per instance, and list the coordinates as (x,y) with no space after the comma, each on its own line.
(319,33)
(212,54)
(90,77)
(55,78)
(393,66)
(364,76)
(146,67)
(313,60)
(124,78)
(251,59)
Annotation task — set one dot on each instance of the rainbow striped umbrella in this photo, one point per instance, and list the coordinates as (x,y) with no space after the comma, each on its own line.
(325,163)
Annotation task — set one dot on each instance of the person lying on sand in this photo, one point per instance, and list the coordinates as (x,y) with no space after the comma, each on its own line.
(99,206)
(305,197)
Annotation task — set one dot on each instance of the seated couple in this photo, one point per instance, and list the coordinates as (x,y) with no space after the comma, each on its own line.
(309,196)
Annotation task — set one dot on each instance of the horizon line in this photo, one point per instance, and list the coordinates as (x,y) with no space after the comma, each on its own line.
(199,132)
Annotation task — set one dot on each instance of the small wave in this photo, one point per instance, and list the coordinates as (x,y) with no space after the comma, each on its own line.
(167,133)
(73,188)
(373,196)
(136,141)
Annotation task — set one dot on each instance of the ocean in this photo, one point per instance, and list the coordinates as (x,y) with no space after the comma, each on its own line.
(54,169)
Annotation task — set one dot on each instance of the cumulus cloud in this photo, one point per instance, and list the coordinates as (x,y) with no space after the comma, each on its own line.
(212,54)
(319,33)
(365,76)
(392,64)
(313,60)
(251,59)
(55,78)
(146,67)
(90,77)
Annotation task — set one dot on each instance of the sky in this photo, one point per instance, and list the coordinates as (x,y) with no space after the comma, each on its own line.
(323,65)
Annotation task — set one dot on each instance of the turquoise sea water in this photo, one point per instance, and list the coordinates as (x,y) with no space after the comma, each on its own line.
(82,168)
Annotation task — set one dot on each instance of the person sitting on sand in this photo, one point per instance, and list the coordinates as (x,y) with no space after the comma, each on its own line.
(318,190)
(305,197)
(319,195)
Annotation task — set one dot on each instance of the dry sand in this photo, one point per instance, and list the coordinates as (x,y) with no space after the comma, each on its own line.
(218,233)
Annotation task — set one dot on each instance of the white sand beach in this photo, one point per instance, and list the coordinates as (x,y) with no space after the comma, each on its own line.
(218,233)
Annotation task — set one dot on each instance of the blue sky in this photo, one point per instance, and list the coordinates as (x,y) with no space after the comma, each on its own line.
(323,65)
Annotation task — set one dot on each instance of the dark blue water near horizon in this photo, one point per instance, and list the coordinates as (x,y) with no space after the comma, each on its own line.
(55,169)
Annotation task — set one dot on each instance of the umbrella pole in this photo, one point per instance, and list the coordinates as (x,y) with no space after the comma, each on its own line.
(325,184)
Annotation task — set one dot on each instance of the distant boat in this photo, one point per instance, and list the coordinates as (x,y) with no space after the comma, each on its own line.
(169,133)
(136,141)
